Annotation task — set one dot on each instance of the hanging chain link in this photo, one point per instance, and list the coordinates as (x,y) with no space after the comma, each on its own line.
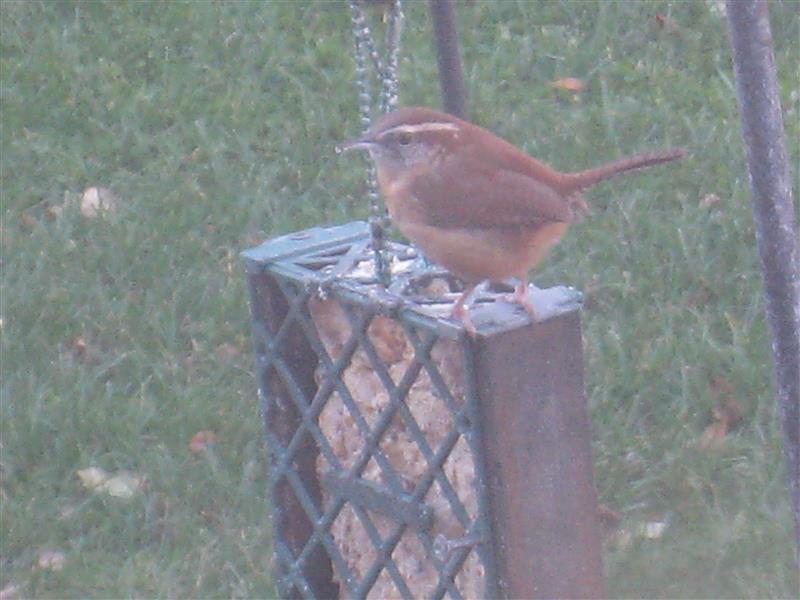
(389,87)
(366,56)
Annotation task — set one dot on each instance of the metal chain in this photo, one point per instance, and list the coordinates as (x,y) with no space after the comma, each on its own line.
(365,50)
(366,53)
(394,29)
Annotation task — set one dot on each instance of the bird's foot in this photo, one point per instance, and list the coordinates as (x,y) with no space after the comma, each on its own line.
(460,311)
(461,314)
(544,304)
(522,297)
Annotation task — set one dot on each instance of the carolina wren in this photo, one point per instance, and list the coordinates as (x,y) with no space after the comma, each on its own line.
(474,203)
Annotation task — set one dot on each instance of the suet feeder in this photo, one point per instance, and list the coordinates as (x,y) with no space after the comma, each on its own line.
(408,459)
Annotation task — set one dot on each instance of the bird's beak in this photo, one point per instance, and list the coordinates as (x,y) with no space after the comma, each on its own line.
(365,142)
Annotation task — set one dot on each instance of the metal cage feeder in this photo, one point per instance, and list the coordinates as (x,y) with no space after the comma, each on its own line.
(408,459)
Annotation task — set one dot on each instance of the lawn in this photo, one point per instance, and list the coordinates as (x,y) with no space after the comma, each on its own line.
(125,331)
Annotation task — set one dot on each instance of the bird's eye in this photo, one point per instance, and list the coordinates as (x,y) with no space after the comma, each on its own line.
(404,139)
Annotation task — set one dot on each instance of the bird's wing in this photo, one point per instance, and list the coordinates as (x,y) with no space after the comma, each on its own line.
(459,193)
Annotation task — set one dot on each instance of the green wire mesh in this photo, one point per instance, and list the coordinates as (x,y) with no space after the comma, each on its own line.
(312,484)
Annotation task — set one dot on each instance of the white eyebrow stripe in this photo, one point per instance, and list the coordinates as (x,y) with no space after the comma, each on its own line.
(422,127)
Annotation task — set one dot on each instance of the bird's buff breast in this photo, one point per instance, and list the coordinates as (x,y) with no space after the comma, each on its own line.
(478,254)
(473,253)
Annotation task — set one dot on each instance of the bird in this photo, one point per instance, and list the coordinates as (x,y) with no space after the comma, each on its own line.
(474,203)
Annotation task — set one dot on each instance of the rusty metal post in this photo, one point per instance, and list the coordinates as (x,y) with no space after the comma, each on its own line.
(537,444)
(443,14)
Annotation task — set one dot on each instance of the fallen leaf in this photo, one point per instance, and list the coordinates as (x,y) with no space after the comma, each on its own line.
(609,521)
(122,485)
(83,352)
(727,413)
(201,440)
(52,560)
(96,201)
(609,518)
(79,347)
(713,437)
(93,477)
(624,537)
(653,530)
(571,84)
(728,409)
(709,201)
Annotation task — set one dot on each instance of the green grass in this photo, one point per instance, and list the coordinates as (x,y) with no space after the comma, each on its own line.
(214,123)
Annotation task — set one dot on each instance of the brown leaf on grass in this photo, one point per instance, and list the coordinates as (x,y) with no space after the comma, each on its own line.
(652,530)
(92,477)
(624,537)
(709,201)
(122,484)
(51,560)
(202,440)
(97,201)
(666,24)
(84,352)
(79,347)
(571,84)
(728,409)
(714,436)
(609,519)
(727,413)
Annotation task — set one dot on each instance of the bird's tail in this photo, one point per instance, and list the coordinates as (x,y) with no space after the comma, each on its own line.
(575,182)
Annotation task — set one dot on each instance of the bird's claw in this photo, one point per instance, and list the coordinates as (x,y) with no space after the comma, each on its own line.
(545,304)
(461,314)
